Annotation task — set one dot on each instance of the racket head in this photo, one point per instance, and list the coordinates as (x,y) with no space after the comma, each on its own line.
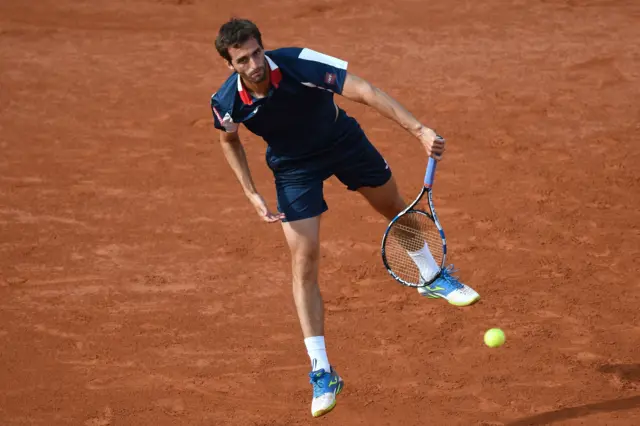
(409,231)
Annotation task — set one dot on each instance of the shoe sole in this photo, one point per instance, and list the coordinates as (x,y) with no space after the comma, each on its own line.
(469,303)
(332,406)
(462,304)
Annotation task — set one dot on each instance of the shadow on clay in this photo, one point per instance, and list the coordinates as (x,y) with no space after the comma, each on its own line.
(580,411)
(626,372)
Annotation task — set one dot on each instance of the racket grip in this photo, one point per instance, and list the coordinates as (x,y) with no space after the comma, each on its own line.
(431,170)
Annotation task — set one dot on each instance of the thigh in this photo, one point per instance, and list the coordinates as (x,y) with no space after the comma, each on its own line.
(303,236)
(385,199)
(361,165)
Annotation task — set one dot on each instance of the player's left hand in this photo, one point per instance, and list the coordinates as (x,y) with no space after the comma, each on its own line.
(433,144)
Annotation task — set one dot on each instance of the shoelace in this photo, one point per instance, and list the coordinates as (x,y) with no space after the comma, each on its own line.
(315,376)
(316,381)
(448,277)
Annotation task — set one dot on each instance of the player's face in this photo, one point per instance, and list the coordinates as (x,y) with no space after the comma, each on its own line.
(248,61)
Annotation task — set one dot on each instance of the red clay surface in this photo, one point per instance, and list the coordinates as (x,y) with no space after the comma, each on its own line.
(138,286)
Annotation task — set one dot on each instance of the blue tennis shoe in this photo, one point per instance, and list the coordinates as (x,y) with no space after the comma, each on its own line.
(326,385)
(448,287)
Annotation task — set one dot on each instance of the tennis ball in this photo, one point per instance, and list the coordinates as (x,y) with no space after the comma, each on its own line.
(494,337)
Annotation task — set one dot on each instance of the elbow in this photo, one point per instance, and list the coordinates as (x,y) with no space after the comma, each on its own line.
(368,94)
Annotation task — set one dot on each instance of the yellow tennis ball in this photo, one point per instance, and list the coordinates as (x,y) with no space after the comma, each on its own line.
(494,337)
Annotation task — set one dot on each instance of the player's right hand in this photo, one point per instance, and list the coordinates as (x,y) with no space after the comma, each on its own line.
(263,210)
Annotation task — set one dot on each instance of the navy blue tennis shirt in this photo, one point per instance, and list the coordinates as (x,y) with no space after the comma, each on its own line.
(298,117)
(309,138)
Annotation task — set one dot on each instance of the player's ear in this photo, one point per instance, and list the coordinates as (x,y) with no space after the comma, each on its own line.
(228,64)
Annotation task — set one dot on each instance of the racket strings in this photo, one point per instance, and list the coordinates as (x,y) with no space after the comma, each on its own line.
(410,233)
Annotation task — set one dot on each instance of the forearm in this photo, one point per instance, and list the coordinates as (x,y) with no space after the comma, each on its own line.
(237,159)
(390,108)
(361,91)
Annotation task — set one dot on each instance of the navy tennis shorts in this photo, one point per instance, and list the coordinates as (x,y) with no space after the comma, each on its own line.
(352,159)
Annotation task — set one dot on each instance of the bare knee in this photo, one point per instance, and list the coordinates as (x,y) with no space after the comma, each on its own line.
(305,262)
(390,207)
(395,206)
(303,237)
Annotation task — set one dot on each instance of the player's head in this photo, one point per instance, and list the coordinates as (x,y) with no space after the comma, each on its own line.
(239,42)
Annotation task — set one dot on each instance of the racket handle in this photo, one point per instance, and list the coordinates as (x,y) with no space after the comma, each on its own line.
(431,170)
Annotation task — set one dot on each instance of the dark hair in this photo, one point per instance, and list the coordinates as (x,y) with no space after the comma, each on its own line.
(234,33)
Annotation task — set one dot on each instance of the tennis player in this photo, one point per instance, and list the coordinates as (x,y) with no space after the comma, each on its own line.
(286,96)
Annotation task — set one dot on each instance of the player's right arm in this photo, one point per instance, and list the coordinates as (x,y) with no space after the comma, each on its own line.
(236,157)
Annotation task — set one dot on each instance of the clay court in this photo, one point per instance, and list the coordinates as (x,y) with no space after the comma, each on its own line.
(139,287)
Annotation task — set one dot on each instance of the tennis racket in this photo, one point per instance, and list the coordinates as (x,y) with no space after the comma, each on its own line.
(414,248)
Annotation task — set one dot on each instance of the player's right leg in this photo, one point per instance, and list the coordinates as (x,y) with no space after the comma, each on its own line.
(303,238)
(304,243)
(300,198)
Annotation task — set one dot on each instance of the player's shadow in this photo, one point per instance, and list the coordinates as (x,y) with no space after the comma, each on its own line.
(580,411)
(626,372)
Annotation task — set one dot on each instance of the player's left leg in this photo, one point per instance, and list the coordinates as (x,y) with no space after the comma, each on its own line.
(386,200)
(368,173)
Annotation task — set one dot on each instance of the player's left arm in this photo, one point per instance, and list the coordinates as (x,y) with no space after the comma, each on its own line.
(359,90)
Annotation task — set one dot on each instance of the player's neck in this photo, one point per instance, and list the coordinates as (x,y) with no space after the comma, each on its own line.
(259,90)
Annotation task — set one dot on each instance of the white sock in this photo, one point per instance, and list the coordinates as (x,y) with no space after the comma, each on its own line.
(317,353)
(425,261)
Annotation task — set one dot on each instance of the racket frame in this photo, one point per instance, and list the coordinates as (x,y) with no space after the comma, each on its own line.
(426,189)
